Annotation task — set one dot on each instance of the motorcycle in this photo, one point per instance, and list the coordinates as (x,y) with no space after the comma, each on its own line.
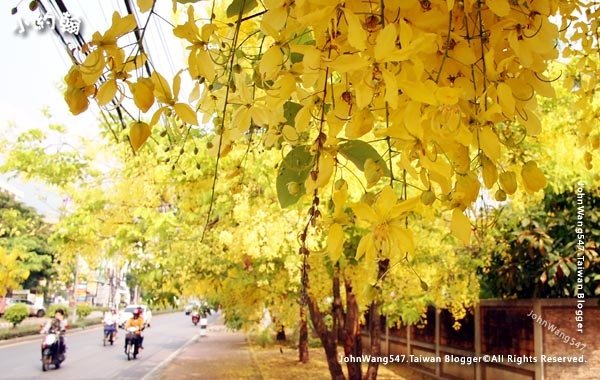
(132,343)
(195,317)
(51,352)
(110,332)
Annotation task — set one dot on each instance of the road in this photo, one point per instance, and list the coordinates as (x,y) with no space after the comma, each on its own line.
(87,359)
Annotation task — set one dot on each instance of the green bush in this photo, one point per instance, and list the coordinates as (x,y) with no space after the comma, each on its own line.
(52,309)
(264,338)
(16,313)
(83,310)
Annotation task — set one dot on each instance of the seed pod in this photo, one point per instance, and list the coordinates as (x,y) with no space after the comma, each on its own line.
(500,195)
(427,197)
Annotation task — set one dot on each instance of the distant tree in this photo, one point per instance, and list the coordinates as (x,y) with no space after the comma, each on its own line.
(536,251)
(23,230)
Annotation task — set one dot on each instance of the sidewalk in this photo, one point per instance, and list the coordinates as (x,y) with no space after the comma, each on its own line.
(226,355)
(220,355)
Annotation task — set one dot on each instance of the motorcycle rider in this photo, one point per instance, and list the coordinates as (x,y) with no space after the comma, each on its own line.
(58,326)
(110,321)
(136,321)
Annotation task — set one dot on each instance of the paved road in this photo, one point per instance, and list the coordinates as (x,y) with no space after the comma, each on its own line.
(87,359)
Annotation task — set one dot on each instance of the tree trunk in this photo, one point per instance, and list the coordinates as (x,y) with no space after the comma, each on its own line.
(375,328)
(303,337)
(352,336)
(337,309)
(328,339)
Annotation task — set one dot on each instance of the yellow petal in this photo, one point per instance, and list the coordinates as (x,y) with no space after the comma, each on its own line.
(402,242)
(364,212)
(531,122)
(335,242)
(158,114)
(143,93)
(201,65)
(385,44)
(489,143)
(386,199)
(366,247)
(186,113)
(373,172)
(138,134)
(162,90)
(508,182)
(290,134)
(391,88)
(506,98)
(274,20)
(120,26)
(361,123)
(403,207)
(339,200)
(271,62)
(499,7)
(76,100)
(241,119)
(489,172)
(357,35)
(533,177)
(346,63)
(106,92)
(461,226)
(145,5)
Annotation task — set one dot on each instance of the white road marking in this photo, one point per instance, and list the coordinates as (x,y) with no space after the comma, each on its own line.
(150,375)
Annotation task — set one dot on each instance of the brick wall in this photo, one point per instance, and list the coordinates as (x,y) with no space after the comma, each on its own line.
(530,337)
(564,318)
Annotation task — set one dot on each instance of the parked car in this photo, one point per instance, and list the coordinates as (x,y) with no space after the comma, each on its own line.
(34,310)
(127,313)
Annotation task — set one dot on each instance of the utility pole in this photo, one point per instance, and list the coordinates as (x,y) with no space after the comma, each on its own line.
(75,287)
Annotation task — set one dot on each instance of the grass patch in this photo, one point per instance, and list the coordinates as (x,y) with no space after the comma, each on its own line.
(85,322)
(280,362)
(19,331)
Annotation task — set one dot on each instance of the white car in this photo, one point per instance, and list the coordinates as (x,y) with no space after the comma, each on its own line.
(127,313)
(34,310)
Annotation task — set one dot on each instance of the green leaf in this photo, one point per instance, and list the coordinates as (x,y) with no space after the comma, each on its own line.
(290,110)
(236,6)
(304,38)
(359,151)
(296,57)
(294,168)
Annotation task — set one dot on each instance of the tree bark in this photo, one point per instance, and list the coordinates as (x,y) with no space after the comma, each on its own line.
(328,339)
(352,336)
(375,326)
(337,309)
(303,337)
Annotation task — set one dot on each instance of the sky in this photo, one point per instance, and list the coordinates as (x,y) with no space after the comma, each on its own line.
(31,72)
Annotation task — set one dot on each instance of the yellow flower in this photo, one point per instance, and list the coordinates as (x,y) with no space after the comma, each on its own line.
(388,236)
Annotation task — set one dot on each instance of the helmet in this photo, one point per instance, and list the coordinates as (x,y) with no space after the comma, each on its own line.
(136,312)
